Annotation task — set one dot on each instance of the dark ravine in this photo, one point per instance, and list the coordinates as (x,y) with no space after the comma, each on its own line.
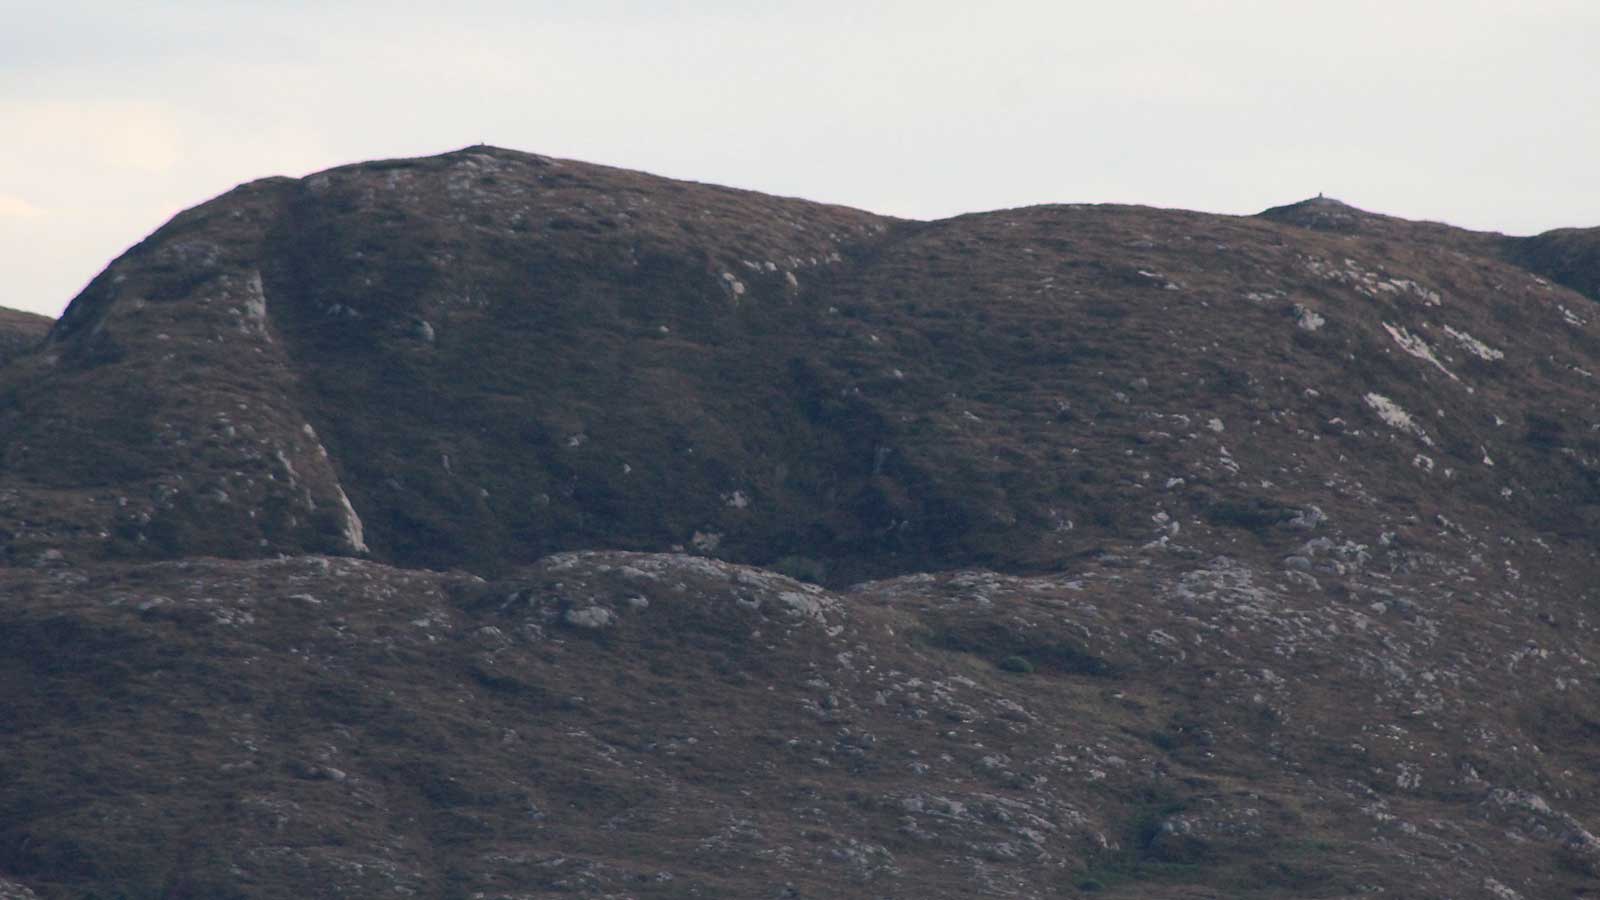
(432,527)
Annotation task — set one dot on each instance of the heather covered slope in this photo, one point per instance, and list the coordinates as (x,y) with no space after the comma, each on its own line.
(641,725)
(426,528)
(480,358)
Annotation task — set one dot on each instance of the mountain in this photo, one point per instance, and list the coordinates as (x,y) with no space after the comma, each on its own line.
(492,525)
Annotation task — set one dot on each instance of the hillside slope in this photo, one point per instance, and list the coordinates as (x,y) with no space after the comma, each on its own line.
(434,524)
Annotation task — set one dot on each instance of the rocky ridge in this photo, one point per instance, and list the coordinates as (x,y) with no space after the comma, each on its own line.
(437,523)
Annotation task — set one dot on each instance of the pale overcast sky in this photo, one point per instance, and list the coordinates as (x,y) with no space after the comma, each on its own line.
(115,115)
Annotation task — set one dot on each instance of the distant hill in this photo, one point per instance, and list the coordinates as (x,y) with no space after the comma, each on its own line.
(20,331)
(1569,256)
(493,525)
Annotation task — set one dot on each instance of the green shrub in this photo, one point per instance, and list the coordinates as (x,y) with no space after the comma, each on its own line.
(1018,664)
(801,568)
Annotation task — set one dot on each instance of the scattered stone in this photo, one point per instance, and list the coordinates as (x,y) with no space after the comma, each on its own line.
(590,617)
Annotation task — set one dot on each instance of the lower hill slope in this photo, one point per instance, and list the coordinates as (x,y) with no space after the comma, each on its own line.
(639,725)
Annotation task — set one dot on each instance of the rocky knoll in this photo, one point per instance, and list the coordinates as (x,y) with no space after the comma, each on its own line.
(491,525)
